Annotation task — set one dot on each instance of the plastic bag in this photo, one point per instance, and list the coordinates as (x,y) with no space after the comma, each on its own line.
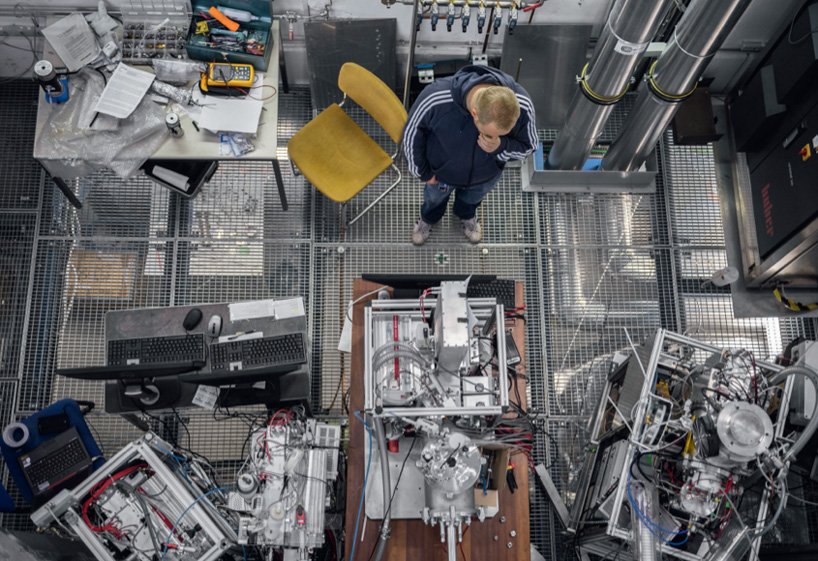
(70,144)
(234,143)
(177,71)
(179,95)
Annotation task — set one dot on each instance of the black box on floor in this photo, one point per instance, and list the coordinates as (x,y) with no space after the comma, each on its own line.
(183,176)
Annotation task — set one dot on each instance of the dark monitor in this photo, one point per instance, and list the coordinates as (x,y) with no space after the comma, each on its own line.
(411,285)
(133,372)
(238,376)
(140,386)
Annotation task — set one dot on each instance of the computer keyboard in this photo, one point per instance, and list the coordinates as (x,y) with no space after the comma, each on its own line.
(501,289)
(264,352)
(251,360)
(156,350)
(55,461)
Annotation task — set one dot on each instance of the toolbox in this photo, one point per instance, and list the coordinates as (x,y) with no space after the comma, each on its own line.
(210,40)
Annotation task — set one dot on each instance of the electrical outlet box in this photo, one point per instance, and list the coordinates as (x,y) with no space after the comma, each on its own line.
(481,60)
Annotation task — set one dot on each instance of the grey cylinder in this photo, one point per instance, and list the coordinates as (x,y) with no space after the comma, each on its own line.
(627,33)
(644,543)
(673,77)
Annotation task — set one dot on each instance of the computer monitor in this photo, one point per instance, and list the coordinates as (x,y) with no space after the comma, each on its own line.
(411,285)
(480,286)
(134,372)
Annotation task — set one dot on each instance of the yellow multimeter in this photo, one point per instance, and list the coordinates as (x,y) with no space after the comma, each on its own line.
(229,75)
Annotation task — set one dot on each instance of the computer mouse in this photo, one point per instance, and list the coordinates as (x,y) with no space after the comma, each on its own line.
(214,326)
(192,319)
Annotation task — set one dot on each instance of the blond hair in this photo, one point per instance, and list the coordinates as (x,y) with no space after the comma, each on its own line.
(498,105)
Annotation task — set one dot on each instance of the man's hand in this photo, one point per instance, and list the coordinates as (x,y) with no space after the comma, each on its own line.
(488,143)
(432,181)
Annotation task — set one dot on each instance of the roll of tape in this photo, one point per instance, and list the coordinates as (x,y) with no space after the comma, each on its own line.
(15,435)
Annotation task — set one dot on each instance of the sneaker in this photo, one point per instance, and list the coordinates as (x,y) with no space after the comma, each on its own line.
(472,230)
(421,232)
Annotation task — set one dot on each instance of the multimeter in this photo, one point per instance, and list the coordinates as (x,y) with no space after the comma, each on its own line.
(223,74)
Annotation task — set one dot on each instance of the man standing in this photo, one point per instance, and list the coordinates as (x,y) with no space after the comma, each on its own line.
(461,132)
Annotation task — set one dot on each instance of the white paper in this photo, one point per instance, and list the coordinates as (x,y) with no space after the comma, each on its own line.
(206,396)
(252,310)
(345,341)
(230,114)
(126,88)
(73,40)
(276,309)
(241,336)
(289,308)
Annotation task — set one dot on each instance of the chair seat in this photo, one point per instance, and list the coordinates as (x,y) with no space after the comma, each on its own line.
(336,156)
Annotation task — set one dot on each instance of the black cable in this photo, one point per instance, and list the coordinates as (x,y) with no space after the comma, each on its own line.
(792,25)
(397,483)
(636,461)
(515,374)
(707,398)
(184,426)
(29,68)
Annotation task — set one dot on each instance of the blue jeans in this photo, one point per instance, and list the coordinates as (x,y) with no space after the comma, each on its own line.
(466,200)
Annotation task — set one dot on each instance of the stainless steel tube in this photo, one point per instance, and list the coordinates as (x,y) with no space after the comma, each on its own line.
(672,78)
(630,27)
(380,435)
(644,542)
(807,433)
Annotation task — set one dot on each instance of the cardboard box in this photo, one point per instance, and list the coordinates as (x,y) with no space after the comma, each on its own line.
(201,46)
(497,481)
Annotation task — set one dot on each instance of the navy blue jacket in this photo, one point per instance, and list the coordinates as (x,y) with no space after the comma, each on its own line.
(440,138)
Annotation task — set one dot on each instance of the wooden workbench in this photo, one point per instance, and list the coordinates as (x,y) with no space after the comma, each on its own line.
(412,540)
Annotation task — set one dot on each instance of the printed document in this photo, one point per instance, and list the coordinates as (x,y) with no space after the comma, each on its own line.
(126,88)
(73,40)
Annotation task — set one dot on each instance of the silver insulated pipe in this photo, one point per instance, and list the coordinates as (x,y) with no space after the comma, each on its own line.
(644,542)
(605,79)
(672,79)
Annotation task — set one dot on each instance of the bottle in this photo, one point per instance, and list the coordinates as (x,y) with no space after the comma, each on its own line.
(241,15)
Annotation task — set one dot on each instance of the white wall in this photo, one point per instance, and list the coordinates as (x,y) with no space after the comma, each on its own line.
(759,25)
(431,45)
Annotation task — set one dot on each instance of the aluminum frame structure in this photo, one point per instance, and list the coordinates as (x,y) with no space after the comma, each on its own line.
(382,312)
(599,543)
(192,506)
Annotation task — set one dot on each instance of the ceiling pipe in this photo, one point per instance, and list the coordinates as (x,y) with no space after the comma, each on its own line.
(672,79)
(605,79)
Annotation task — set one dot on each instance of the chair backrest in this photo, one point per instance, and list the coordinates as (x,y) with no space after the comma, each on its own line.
(375,97)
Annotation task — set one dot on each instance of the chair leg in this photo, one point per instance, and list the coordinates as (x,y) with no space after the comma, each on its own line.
(295,170)
(380,197)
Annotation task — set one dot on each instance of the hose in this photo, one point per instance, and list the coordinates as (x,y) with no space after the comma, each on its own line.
(782,503)
(807,433)
(380,436)
(378,362)
(149,522)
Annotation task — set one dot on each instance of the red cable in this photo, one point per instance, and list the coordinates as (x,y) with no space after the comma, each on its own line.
(395,338)
(96,491)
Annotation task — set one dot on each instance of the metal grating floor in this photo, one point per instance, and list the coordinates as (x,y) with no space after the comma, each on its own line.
(593,267)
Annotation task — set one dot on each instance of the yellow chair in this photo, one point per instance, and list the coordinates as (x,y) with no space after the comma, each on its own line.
(335,154)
